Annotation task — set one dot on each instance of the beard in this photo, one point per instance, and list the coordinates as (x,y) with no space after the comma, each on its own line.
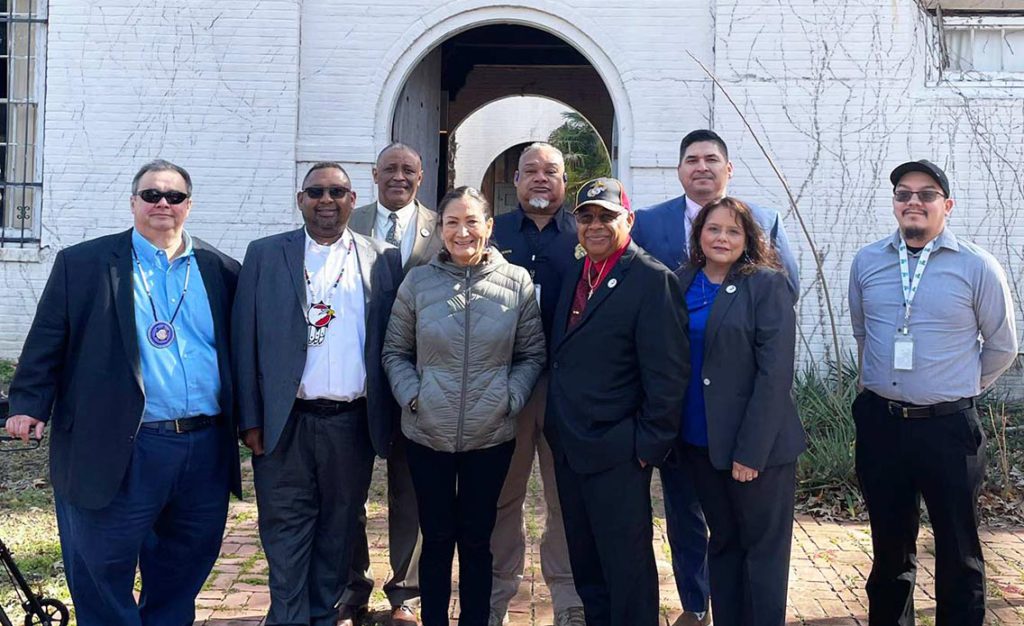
(913,232)
(539,203)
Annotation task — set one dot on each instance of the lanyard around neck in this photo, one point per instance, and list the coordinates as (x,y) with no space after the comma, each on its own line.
(149,294)
(911,284)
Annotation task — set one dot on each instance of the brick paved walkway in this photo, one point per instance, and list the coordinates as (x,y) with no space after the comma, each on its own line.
(829,564)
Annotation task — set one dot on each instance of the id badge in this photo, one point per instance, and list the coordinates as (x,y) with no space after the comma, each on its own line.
(536,291)
(903,352)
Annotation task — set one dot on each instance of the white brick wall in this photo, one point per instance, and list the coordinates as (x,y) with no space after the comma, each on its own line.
(839,92)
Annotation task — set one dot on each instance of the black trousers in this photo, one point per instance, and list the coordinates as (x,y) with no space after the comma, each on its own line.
(610,533)
(899,461)
(751,533)
(310,491)
(457,496)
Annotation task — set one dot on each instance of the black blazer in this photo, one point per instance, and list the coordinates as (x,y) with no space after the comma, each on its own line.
(749,348)
(617,379)
(269,338)
(80,367)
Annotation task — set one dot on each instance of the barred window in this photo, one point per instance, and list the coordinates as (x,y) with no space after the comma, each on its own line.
(22,48)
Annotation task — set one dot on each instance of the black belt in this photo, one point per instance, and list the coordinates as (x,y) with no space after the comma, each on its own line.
(184,425)
(916,411)
(321,406)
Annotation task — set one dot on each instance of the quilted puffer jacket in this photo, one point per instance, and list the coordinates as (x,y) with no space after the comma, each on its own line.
(468,345)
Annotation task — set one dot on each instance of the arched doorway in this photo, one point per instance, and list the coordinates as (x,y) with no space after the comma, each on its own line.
(508,51)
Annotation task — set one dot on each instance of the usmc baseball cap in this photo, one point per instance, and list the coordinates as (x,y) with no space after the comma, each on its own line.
(923,166)
(606,192)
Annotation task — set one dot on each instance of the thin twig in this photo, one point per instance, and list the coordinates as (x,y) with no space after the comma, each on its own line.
(792,203)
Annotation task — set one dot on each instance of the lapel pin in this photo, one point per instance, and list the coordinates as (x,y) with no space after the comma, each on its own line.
(612,283)
(730,289)
(424,232)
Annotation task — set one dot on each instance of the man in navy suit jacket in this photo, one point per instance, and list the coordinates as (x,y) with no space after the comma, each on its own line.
(127,361)
(704,169)
(663,230)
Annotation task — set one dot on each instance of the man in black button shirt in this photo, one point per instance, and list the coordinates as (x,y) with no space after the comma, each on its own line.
(539,235)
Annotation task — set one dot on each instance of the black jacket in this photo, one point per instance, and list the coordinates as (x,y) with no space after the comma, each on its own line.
(80,369)
(617,379)
(749,346)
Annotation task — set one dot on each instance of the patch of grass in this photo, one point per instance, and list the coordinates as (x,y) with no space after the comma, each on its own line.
(6,372)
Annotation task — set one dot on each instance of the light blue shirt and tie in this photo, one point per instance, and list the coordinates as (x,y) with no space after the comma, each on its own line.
(183,379)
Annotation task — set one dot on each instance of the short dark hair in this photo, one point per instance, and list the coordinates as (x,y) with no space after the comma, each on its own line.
(398,145)
(161,165)
(703,134)
(757,252)
(459,193)
(326,165)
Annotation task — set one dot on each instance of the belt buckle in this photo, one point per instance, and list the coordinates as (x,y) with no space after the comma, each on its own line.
(901,410)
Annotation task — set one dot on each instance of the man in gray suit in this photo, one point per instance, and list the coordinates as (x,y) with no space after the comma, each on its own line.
(314,404)
(401,220)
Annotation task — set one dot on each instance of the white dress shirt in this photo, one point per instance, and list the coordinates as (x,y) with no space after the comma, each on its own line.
(692,209)
(335,369)
(406,226)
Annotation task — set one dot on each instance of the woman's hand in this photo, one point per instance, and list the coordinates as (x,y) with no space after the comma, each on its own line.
(743,473)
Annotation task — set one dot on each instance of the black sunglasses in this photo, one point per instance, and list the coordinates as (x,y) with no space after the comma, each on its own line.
(153,196)
(605,217)
(336,193)
(925,195)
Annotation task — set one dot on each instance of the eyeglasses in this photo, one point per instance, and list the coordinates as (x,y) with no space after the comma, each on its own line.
(336,193)
(925,195)
(153,196)
(605,217)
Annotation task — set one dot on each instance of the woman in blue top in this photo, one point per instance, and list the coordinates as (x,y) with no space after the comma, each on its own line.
(741,435)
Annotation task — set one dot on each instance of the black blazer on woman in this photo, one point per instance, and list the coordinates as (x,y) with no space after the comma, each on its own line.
(749,348)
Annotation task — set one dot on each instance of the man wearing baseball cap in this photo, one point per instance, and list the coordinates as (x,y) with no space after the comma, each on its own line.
(934,324)
(613,405)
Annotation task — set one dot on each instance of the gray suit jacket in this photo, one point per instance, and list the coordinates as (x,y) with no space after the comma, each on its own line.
(428,236)
(269,333)
(749,345)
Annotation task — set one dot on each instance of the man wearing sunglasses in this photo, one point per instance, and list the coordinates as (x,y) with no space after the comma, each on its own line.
(613,406)
(314,403)
(127,360)
(934,324)
(400,219)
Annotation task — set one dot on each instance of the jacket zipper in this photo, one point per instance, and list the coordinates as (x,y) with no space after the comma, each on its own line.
(465,369)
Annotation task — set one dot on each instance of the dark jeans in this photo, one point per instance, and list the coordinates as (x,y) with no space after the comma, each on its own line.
(899,461)
(168,517)
(310,491)
(751,528)
(608,527)
(457,496)
(687,535)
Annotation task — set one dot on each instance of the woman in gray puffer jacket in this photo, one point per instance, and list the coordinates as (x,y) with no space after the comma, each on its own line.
(463,350)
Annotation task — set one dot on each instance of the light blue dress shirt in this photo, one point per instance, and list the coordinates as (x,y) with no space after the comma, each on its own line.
(181,380)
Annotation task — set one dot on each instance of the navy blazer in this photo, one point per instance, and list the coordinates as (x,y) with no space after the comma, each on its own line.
(661,230)
(617,379)
(270,333)
(749,346)
(80,367)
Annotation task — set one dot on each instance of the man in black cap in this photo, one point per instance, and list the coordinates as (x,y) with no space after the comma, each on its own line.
(619,368)
(934,325)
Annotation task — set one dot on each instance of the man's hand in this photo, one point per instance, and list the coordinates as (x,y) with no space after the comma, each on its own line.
(253,439)
(23,426)
(743,473)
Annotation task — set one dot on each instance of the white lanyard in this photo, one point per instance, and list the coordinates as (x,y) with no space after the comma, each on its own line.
(910,285)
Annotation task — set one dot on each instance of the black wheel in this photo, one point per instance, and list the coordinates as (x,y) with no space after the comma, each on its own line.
(54,614)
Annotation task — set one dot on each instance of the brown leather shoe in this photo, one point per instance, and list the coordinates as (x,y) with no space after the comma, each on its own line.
(689,618)
(403,616)
(351,615)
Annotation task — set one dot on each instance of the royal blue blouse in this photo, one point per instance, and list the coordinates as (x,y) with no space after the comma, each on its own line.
(699,298)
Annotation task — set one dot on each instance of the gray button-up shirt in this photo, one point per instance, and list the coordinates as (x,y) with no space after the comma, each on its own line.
(962,321)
